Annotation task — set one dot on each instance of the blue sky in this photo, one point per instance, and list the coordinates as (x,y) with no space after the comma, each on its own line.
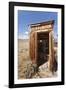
(25,18)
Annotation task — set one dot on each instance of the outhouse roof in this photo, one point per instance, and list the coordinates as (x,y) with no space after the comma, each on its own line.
(42,23)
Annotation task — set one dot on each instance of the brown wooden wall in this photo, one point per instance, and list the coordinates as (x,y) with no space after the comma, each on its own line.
(32,47)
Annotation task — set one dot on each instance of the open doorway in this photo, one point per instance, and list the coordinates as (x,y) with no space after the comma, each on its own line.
(42,47)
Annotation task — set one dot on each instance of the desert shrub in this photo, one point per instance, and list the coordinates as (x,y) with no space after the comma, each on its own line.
(30,71)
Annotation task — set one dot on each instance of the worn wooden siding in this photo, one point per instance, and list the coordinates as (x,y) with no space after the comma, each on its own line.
(32,46)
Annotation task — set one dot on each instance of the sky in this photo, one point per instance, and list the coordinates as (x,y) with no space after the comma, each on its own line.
(25,18)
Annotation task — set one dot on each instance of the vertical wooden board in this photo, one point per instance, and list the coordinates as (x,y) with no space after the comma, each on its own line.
(36,47)
(54,67)
(51,52)
(49,62)
(32,46)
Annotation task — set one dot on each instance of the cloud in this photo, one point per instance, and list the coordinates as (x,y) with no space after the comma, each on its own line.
(26,32)
(24,36)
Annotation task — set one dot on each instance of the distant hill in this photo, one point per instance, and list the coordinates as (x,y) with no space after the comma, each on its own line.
(25,40)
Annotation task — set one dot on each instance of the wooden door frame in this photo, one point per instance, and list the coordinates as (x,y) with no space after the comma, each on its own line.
(50,46)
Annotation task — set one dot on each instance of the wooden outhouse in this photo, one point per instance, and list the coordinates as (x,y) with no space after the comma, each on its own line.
(42,44)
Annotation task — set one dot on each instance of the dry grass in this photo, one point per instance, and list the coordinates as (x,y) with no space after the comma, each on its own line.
(25,66)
